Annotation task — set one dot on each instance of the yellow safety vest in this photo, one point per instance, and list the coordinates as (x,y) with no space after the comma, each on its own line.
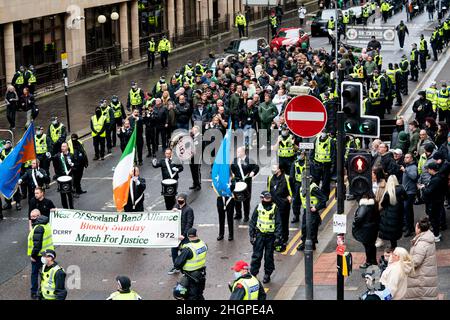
(322,152)
(273,21)
(286,177)
(298,168)
(105,113)
(312,199)
(391,74)
(47,241)
(422,45)
(135,97)
(41,144)
(378,59)
(266,219)
(70,145)
(251,287)
(422,161)
(240,20)
(32,78)
(348,146)
(55,133)
(132,295)
(20,79)
(413,55)
(374,97)
(385,7)
(442,99)
(345,19)
(373,6)
(117,109)
(286,148)
(330,24)
(164,45)
(198,261)
(359,71)
(365,12)
(431,94)
(48,285)
(151,46)
(98,125)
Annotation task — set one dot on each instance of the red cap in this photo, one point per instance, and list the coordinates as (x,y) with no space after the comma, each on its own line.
(239,265)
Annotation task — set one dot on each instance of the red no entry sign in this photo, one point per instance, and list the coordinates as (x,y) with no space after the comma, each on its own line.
(305,116)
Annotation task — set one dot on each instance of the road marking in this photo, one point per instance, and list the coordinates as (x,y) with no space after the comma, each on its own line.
(299,234)
(322,216)
(14,242)
(305,116)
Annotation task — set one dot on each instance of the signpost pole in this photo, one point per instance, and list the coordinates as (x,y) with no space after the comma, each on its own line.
(309,265)
(66,86)
(268,21)
(340,190)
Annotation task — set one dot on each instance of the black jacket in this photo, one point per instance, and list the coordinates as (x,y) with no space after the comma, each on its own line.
(59,166)
(140,126)
(60,280)
(38,236)
(165,172)
(390,167)
(279,189)
(391,222)
(27,178)
(185,255)
(423,109)
(79,155)
(434,192)
(204,117)
(187,218)
(137,203)
(44,206)
(124,137)
(183,112)
(247,167)
(161,116)
(239,292)
(252,224)
(366,222)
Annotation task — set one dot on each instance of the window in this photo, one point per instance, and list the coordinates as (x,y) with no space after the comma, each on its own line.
(151,17)
(101,35)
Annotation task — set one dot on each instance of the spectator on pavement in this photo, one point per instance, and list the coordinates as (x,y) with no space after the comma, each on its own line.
(395,277)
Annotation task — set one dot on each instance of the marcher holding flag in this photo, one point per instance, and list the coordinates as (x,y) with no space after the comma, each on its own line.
(122,177)
(221,167)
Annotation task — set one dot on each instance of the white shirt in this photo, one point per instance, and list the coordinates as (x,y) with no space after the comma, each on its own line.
(301,12)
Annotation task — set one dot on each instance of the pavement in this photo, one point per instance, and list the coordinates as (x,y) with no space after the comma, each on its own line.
(92,270)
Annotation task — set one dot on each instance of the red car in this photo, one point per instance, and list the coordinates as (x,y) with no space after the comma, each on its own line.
(290,37)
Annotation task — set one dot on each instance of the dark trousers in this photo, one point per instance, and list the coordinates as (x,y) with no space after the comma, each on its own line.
(285,163)
(99,146)
(117,125)
(110,132)
(444,115)
(401,40)
(196,174)
(35,270)
(241,29)
(139,147)
(371,252)
(434,213)
(170,202)
(11,115)
(44,163)
(414,72)
(174,251)
(264,246)
(322,172)
(66,200)
(443,217)
(195,287)
(301,22)
(225,211)
(398,94)
(161,131)
(150,139)
(316,220)
(404,82)
(77,176)
(151,59)
(297,202)
(284,208)
(423,60)
(385,16)
(164,59)
(408,212)
(434,47)
(274,32)
(246,203)
(17,197)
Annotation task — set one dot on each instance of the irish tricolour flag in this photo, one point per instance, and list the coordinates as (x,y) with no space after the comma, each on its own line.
(122,177)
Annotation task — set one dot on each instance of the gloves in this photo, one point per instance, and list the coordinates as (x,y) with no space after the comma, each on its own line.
(175,169)
(279,245)
(48,155)
(20,181)
(70,162)
(39,174)
(154,162)
(252,241)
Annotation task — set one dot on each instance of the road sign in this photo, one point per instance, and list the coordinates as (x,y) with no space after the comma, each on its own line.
(64,61)
(305,116)
(306,145)
(339,223)
(361,35)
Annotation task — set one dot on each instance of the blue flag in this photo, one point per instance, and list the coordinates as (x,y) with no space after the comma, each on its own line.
(221,168)
(24,151)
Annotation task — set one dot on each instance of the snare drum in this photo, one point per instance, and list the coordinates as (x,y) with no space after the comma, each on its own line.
(65,184)
(169,187)
(241,191)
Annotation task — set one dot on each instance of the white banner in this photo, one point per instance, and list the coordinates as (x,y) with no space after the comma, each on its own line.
(154,229)
(261,3)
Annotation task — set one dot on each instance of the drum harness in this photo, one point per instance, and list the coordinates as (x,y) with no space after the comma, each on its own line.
(132,196)
(169,169)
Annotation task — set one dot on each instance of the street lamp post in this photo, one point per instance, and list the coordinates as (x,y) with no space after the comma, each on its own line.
(102,19)
(200,18)
(114,17)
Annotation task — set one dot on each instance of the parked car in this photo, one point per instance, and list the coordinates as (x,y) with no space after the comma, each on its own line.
(320,22)
(247,45)
(289,37)
(225,58)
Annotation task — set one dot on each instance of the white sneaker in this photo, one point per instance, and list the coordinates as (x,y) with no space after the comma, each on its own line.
(438,238)
(262,148)
(379,243)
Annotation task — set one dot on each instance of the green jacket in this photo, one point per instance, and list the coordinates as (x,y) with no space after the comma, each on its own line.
(414,140)
(234,104)
(370,67)
(267,112)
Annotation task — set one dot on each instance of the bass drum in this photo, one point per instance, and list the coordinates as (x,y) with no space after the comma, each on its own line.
(169,187)
(241,191)
(65,184)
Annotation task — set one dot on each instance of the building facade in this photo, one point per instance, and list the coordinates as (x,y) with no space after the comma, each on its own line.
(37,32)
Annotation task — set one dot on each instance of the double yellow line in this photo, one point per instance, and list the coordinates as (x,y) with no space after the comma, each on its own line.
(293,243)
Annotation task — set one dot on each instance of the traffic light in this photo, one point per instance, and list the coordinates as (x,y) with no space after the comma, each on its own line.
(356,122)
(359,173)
